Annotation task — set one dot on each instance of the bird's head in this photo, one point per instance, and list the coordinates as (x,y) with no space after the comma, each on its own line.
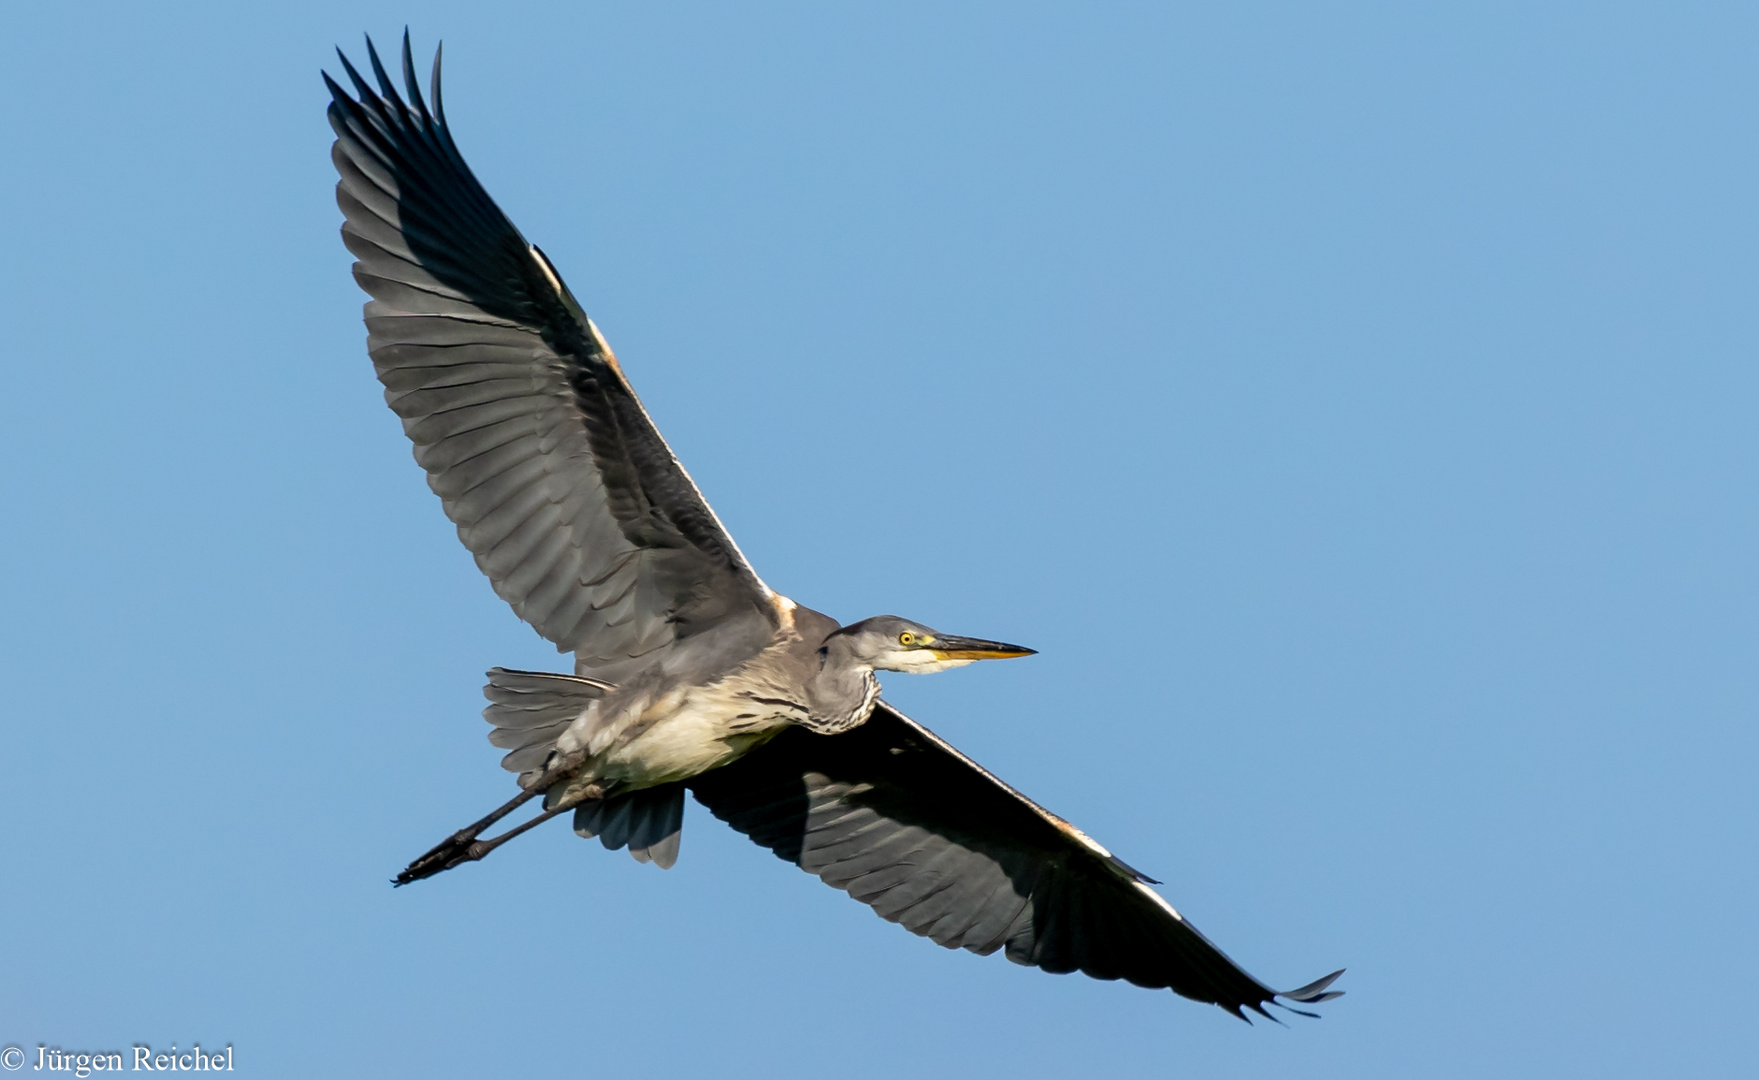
(888,643)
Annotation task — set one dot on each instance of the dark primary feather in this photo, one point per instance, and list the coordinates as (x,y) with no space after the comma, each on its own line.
(650,822)
(543,457)
(900,820)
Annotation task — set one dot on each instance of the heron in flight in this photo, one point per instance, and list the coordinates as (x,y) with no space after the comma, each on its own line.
(689,672)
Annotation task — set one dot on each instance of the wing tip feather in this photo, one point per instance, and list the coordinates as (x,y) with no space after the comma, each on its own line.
(1315,992)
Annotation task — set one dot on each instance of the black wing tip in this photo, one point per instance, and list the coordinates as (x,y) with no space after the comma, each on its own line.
(387,87)
(361,89)
(411,85)
(1314,992)
(336,92)
(1239,1011)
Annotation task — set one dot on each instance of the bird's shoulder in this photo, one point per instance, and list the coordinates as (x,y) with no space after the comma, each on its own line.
(811,627)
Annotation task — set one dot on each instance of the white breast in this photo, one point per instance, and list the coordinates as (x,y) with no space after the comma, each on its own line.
(693,730)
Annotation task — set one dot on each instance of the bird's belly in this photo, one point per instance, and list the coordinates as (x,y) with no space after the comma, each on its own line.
(703,732)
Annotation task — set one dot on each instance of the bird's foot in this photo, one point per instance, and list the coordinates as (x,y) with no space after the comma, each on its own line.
(461,847)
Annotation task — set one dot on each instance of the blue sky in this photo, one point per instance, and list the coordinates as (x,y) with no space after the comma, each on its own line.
(1355,407)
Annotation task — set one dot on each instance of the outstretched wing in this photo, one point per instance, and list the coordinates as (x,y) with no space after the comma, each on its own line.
(892,814)
(559,484)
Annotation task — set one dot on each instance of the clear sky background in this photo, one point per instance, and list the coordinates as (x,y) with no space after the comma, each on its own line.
(1356,406)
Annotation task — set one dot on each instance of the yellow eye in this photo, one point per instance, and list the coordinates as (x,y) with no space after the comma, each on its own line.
(906,638)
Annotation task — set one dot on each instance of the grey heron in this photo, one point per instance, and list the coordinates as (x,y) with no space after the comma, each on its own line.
(689,672)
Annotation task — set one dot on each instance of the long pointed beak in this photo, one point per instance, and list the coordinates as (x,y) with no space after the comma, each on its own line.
(948,647)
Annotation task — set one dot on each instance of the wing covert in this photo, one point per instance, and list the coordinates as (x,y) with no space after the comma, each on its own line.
(893,815)
(557,480)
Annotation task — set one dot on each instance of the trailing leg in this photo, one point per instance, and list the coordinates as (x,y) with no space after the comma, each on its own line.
(450,851)
(463,845)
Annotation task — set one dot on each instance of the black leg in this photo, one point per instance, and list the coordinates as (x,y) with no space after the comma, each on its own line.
(451,851)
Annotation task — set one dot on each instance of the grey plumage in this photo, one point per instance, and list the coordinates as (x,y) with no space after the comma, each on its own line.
(649,822)
(689,671)
(591,531)
(531,709)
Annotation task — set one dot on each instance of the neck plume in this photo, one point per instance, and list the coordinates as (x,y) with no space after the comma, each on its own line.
(842,695)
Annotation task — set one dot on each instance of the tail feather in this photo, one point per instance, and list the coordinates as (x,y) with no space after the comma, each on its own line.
(531,709)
